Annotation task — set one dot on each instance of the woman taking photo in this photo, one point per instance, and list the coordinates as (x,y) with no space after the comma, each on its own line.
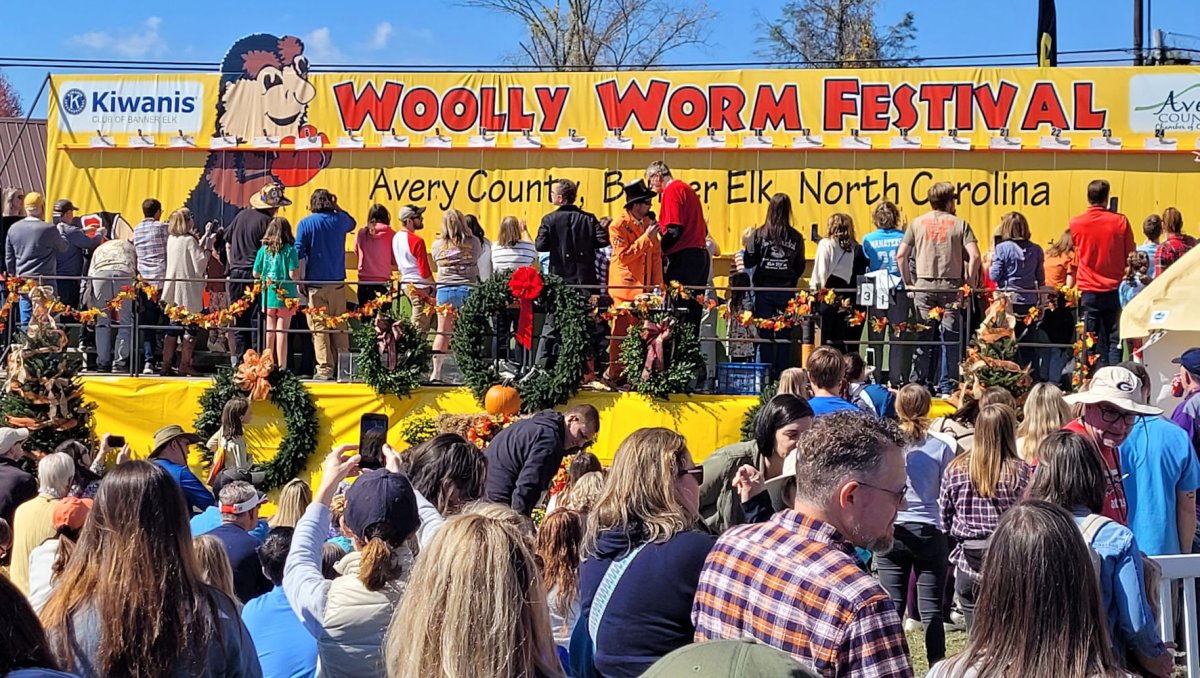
(642,527)
(162,622)
(456,258)
(1039,610)
(187,264)
(478,607)
(778,424)
(1071,476)
(977,489)
(775,251)
(838,263)
(920,546)
(349,615)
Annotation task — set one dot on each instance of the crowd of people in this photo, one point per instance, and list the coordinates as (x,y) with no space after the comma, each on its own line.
(917,269)
(806,550)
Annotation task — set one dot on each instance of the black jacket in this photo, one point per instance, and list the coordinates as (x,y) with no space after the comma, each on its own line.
(523,459)
(572,236)
(16,488)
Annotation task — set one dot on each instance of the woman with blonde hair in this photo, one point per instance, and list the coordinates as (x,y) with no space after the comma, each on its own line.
(977,488)
(187,266)
(1045,412)
(920,546)
(214,567)
(838,263)
(161,620)
(557,549)
(794,380)
(513,248)
(641,533)
(294,498)
(456,257)
(583,495)
(478,607)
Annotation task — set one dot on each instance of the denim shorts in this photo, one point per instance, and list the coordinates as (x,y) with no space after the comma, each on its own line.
(454,295)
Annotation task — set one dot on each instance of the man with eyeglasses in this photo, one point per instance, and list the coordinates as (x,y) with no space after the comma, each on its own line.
(795,582)
(1109,413)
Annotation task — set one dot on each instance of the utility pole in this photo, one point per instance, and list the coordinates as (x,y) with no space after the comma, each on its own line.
(1138,32)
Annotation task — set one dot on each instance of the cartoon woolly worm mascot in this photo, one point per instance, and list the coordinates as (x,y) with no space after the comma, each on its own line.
(265,91)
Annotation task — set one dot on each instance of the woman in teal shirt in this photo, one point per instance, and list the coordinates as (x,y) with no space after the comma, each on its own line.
(276,264)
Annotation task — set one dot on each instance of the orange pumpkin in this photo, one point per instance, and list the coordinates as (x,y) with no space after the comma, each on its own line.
(502,400)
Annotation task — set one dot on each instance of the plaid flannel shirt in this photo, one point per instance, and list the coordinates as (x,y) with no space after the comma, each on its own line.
(967,515)
(150,242)
(1171,249)
(795,584)
(603,259)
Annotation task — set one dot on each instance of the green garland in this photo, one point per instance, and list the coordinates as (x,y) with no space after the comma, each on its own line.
(471,342)
(299,415)
(413,357)
(683,361)
(764,397)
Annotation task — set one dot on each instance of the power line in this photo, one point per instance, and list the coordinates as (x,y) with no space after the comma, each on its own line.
(210,67)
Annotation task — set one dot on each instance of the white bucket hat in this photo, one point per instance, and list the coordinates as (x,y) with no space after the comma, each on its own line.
(1116,386)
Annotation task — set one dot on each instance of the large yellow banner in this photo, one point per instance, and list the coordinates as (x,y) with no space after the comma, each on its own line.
(490,143)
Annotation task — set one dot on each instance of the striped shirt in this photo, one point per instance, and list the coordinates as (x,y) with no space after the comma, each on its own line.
(520,253)
(796,584)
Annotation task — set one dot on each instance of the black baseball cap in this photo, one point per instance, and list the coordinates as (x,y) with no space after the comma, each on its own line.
(1190,360)
(382,496)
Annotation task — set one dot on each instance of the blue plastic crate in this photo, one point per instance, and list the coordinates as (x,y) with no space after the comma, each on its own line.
(742,378)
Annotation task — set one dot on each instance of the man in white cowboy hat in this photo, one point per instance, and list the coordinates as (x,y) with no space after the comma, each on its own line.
(1110,410)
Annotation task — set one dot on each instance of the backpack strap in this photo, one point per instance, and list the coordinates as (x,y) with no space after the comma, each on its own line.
(604,592)
(1092,525)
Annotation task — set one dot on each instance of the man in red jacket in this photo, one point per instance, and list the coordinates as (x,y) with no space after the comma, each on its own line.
(1103,240)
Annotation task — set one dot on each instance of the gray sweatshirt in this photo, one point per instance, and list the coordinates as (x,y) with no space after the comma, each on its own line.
(32,248)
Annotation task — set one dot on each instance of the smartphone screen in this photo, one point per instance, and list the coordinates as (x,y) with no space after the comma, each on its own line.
(372,434)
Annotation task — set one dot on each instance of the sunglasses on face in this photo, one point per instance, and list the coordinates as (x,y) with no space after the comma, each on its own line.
(697,473)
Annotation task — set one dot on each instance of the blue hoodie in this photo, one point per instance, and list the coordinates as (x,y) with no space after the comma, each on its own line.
(650,612)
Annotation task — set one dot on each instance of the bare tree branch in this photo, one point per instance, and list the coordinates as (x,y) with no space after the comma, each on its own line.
(603,33)
(837,34)
(10,99)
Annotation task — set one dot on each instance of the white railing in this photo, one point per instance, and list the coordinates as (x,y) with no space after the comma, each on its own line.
(1184,569)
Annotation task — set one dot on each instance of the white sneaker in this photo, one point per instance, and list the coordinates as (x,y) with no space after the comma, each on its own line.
(913,626)
(148,368)
(957,617)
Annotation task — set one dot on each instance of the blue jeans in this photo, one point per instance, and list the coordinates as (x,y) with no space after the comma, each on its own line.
(454,295)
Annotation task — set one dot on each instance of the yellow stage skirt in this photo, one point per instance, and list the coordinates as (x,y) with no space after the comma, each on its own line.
(136,407)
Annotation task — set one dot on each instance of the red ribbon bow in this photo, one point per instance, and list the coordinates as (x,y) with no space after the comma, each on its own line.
(655,335)
(525,285)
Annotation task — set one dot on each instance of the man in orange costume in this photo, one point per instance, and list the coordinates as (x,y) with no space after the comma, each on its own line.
(636,266)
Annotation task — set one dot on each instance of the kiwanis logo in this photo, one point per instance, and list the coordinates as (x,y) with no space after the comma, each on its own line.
(74,101)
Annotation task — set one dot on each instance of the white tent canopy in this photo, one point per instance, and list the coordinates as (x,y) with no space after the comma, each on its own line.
(1166,317)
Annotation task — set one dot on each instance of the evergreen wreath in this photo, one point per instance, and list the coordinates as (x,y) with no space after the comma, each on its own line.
(750,421)
(682,361)
(540,389)
(413,356)
(299,416)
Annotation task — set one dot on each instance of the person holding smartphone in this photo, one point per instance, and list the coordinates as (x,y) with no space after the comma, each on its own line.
(1103,240)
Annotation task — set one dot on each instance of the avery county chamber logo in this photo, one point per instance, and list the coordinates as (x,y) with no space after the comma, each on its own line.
(160,106)
(74,101)
(1167,102)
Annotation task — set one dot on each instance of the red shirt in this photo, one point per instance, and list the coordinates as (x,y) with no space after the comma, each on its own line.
(1103,241)
(1114,493)
(681,207)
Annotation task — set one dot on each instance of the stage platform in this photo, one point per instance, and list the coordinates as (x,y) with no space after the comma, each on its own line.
(137,406)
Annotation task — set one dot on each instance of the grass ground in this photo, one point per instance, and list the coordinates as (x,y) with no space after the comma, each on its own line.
(955,642)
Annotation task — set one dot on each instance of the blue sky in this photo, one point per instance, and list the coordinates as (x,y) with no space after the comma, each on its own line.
(445,33)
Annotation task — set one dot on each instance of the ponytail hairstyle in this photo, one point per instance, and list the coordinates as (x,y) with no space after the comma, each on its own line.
(231,417)
(380,562)
(912,408)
